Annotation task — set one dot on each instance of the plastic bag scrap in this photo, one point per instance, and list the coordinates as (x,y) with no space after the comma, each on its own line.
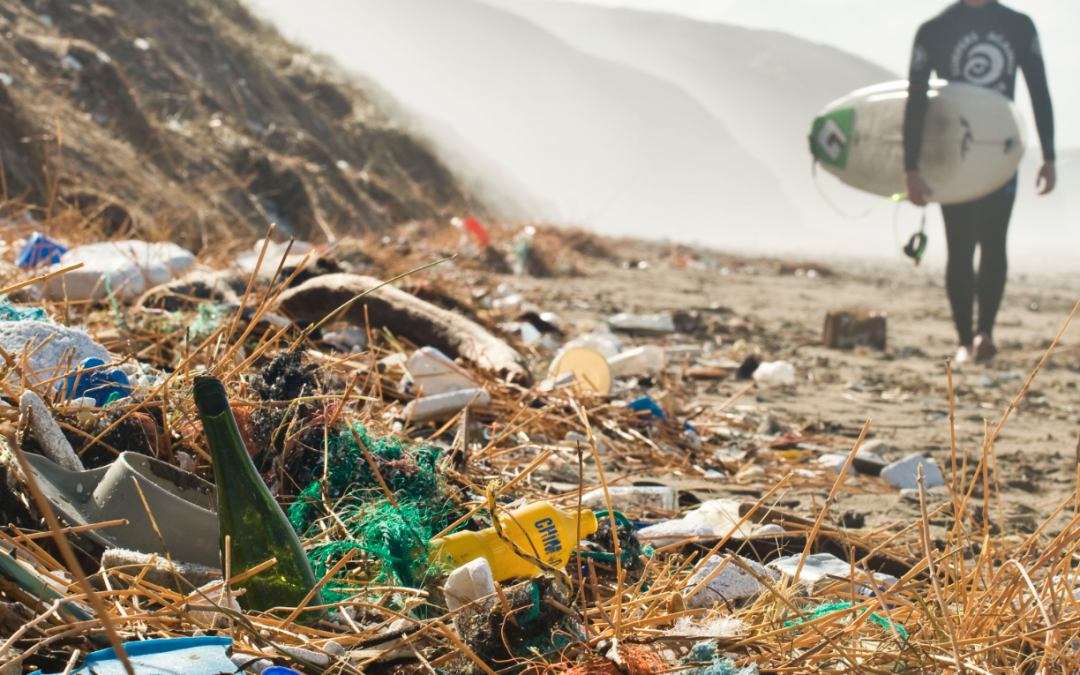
(39,250)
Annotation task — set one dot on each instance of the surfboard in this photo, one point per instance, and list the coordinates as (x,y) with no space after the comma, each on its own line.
(973,144)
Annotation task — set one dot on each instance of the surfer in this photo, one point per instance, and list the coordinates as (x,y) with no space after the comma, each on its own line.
(979,42)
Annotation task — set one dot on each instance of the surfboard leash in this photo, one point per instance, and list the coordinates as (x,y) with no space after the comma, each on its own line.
(898,197)
(916,246)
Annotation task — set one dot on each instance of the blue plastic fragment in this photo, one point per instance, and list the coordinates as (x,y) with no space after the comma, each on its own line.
(99,384)
(10,312)
(39,250)
(279,670)
(177,656)
(646,404)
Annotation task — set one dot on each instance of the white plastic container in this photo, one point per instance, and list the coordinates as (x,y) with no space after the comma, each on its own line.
(445,406)
(657,324)
(430,372)
(638,362)
(775,373)
(626,496)
(603,342)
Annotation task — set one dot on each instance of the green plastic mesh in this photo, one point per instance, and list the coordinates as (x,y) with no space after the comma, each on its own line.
(393,537)
(709,652)
(829,608)
(210,319)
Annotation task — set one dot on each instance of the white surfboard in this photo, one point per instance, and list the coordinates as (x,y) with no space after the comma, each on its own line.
(974,140)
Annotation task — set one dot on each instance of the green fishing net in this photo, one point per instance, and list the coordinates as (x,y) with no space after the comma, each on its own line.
(708,652)
(393,537)
(829,608)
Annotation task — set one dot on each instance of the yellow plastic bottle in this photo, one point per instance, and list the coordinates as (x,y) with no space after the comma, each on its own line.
(539,529)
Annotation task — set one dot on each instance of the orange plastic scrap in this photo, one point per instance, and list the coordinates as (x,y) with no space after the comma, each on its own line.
(639,660)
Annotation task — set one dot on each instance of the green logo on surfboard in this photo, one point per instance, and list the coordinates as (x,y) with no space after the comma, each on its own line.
(830,138)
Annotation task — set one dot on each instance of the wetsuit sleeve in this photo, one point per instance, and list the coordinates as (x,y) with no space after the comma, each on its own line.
(918,100)
(1031,61)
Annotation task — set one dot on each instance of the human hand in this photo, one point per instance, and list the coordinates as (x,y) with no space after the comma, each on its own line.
(1047,179)
(918,191)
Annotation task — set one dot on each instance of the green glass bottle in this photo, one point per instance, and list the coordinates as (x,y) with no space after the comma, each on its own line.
(249,515)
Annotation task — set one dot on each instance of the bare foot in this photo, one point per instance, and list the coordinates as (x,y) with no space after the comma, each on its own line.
(984,350)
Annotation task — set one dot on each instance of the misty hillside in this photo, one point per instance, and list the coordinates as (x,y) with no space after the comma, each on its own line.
(193,120)
(614,148)
(765,86)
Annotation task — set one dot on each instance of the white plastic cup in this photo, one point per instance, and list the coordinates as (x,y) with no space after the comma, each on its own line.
(638,362)
(775,373)
(445,406)
(431,372)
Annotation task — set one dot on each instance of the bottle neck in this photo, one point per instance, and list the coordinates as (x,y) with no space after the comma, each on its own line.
(227,449)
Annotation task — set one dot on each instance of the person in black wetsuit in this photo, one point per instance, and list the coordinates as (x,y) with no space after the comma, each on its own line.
(979,42)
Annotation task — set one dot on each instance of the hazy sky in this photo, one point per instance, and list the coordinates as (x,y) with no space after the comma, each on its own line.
(882,30)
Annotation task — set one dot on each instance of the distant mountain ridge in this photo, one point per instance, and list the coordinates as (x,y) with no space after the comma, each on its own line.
(614,149)
(765,86)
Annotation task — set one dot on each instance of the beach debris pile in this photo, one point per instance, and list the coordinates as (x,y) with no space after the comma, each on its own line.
(377,455)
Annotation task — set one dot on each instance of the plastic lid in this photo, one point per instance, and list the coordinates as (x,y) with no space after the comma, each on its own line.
(590,369)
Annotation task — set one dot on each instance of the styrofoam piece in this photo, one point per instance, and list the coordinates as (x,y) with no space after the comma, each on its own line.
(722,515)
(904,474)
(469,583)
(67,348)
(634,323)
(638,362)
(445,406)
(733,583)
(129,267)
(161,570)
(673,531)
(834,462)
(214,592)
(34,414)
(605,343)
(771,528)
(430,372)
(823,568)
(775,373)
(623,497)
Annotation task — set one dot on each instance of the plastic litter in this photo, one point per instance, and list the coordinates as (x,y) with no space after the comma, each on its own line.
(469,583)
(430,372)
(56,357)
(473,227)
(444,406)
(590,369)
(179,501)
(638,362)
(652,324)
(178,656)
(39,250)
(102,384)
(673,531)
(242,500)
(35,416)
(821,568)
(733,583)
(603,342)
(775,373)
(835,463)
(349,339)
(11,312)
(128,268)
(158,570)
(904,474)
(536,527)
(624,497)
(647,405)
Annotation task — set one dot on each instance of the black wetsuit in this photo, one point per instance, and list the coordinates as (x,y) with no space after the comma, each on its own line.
(983,46)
